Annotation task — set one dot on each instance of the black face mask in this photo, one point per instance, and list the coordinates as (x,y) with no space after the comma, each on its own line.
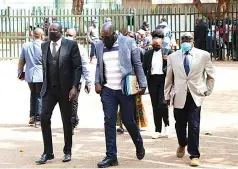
(109,41)
(53,36)
(156,48)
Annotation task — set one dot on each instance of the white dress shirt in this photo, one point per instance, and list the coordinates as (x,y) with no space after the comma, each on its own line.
(157,63)
(57,46)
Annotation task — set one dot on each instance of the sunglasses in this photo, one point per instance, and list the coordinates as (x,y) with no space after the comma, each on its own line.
(68,35)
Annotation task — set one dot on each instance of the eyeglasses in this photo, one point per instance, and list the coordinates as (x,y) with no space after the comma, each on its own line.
(68,35)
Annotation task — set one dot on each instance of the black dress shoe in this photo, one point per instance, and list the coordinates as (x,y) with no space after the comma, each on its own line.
(107,162)
(140,154)
(44,158)
(67,158)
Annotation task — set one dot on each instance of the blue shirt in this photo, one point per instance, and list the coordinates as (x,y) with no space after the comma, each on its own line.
(32,54)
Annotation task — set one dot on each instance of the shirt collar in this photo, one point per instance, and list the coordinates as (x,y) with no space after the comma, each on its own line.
(116,43)
(57,42)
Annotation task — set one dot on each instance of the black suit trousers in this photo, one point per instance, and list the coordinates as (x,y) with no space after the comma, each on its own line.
(188,116)
(49,100)
(160,109)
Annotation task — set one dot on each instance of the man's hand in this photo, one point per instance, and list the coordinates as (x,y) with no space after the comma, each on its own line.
(73,93)
(87,89)
(165,57)
(98,88)
(141,91)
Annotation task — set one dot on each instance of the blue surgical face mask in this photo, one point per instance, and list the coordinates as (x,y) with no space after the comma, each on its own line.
(186,46)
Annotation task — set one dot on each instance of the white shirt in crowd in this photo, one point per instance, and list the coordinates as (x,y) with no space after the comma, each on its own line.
(157,63)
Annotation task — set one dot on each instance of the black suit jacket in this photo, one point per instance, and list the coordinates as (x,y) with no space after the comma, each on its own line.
(147,62)
(70,66)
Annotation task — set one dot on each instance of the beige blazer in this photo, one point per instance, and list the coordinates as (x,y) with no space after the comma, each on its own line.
(200,80)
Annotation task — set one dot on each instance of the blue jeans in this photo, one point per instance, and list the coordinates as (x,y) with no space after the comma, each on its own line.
(111,99)
(93,49)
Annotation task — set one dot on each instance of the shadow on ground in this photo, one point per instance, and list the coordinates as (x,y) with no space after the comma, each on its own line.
(217,150)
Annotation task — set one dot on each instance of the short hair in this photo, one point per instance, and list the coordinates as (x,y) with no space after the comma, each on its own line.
(163,19)
(187,36)
(145,23)
(156,38)
(158,33)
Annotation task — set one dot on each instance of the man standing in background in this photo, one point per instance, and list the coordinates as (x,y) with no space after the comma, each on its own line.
(71,34)
(31,55)
(167,35)
(200,34)
(93,37)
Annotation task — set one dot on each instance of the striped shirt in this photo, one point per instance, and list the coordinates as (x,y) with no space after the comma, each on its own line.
(112,68)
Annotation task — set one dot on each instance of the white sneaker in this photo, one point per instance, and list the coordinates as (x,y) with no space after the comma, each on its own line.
(156,135)
(166,132)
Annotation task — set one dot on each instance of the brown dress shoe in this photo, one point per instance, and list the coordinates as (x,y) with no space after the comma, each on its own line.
(31,121)
(180,152)
(194,162)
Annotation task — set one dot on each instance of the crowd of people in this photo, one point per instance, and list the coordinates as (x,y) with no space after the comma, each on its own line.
(179,78)
(218,37)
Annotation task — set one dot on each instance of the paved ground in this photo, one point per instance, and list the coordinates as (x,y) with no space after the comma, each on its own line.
(219,119)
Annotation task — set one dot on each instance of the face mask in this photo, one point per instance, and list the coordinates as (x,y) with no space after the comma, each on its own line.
(156,48)
(69,38)
(186,46)
(147,29)
(53,36)
(95,25)
(109,42)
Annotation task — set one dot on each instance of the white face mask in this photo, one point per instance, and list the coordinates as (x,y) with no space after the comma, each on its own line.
(69,38)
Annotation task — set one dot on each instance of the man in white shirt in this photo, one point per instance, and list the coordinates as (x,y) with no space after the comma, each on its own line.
(71,34)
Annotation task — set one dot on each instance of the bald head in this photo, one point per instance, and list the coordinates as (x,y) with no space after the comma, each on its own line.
(38,33)
(55,31)
(56,26)
(108,35)
(71,33)
(107,29)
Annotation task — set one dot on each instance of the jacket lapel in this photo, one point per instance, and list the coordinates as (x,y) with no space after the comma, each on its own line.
(45,49)
(63,50)
(121,48)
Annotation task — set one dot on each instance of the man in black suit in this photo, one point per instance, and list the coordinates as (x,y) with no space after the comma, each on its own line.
(200,34)
(155,65)
(62,70)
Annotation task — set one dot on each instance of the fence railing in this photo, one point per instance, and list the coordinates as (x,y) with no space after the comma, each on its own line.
(16,26)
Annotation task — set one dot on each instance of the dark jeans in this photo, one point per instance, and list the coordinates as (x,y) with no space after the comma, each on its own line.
(35,100)
(110,101)
(190,115)
(75,119)
(49,100)
(160,109)
(229,48)
(93,49)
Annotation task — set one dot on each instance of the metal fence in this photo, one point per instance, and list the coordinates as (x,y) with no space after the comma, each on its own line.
(16,26)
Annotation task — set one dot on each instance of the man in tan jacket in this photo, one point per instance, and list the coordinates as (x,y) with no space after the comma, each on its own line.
(190,78)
